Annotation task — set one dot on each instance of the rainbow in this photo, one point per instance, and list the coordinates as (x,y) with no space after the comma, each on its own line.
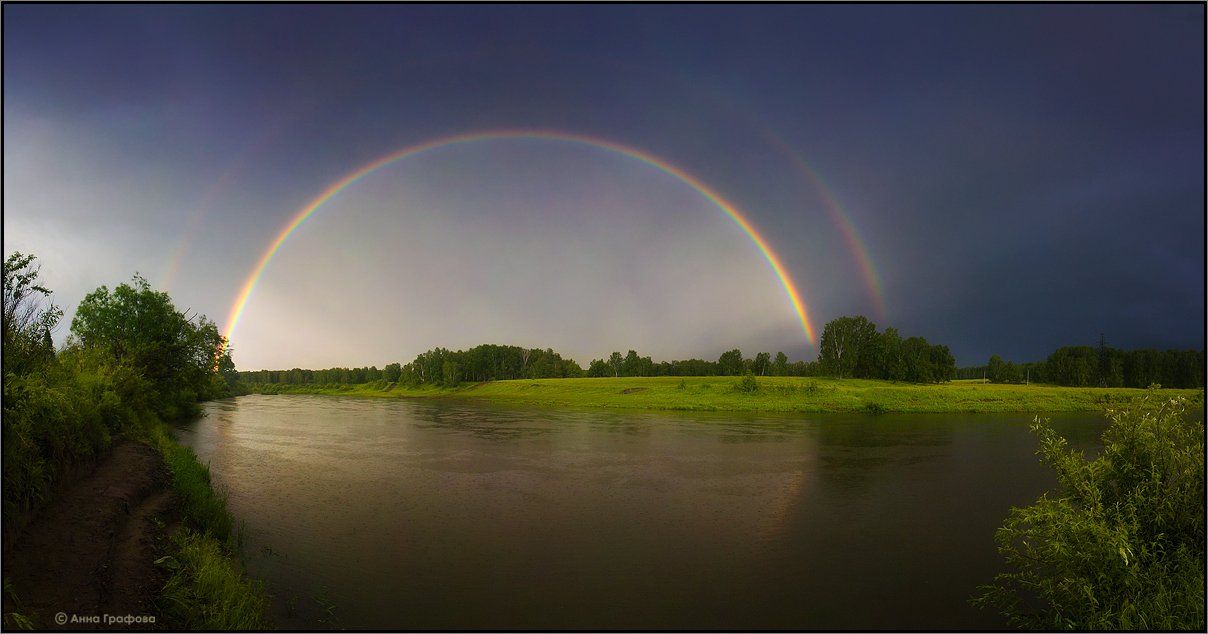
(235,168)
(839,216)
(249,286)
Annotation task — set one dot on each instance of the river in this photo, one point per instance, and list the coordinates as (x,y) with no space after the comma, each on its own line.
(443,514)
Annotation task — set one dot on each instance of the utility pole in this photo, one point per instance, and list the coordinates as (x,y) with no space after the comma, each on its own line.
(1027,375)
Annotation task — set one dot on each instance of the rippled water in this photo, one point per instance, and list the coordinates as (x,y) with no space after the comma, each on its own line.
(422,514)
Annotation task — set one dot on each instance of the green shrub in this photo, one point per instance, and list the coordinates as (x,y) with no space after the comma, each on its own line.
(1120,543)
(876,409)
(747,384)
(47,429)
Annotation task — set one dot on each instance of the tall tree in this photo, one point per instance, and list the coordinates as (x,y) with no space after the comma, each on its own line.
(893,366)
(841,343)
(391,372)
(730,363)
(995,369)
(762,363)
(616,362)
(780,367)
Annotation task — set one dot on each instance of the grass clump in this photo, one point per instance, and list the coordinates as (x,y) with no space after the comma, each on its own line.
(206,590)
(876,409)
(1119,545)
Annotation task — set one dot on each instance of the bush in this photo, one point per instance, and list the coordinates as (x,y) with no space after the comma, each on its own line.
(1120,543)
(747,384)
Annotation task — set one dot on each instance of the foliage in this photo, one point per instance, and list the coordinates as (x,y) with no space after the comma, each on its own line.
(15,620)
(852,347)
(29,316)
(481,363)
(635,365)
(780,367)
(1120,543)
(1109,367)
(747,384)
(501,363)
(56,419)
(178,355)
(1084,366)
(843,342)
(762,363)
(730,363)
(206,590)
(598,368)
(392,372)
(132,361)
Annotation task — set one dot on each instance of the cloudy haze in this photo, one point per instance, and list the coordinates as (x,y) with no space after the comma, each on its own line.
(1022,177)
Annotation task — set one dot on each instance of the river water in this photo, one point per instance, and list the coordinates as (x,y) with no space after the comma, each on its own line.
(436,514)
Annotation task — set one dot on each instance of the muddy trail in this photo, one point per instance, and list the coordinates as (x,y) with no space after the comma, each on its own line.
(91,553)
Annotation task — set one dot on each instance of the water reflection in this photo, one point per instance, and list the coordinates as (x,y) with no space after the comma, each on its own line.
(442,514)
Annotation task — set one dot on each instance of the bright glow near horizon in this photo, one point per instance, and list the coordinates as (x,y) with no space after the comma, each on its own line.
(531,244)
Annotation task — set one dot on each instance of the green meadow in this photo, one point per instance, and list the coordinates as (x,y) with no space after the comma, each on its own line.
(775,394)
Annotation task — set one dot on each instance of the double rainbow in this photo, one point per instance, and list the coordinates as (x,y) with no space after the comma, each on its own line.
(335,188)
(840,217)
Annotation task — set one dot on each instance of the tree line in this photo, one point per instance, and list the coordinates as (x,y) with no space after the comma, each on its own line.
(438,366)
(851,347)
(490,362)
(1099,366)
(730,363)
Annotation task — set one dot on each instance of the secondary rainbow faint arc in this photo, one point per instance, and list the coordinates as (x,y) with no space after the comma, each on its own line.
(841,218)
(335,188)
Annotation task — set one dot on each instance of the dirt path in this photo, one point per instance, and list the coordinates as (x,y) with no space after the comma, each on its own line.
(92,552)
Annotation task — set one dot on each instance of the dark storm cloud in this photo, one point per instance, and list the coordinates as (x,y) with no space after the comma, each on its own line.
(1025,176)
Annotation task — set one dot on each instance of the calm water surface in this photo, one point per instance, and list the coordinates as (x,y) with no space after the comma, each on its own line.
(425,514)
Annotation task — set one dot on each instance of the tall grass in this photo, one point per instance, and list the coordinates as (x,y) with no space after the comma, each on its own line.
(206,587)
(201,504)
(206,590)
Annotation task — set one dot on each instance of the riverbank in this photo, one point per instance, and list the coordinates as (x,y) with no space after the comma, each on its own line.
(774,394)
(138,541)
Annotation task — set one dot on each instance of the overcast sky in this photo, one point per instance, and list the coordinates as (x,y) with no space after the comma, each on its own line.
(1021,177)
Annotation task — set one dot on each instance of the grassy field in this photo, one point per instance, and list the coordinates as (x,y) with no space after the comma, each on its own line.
(781,394)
